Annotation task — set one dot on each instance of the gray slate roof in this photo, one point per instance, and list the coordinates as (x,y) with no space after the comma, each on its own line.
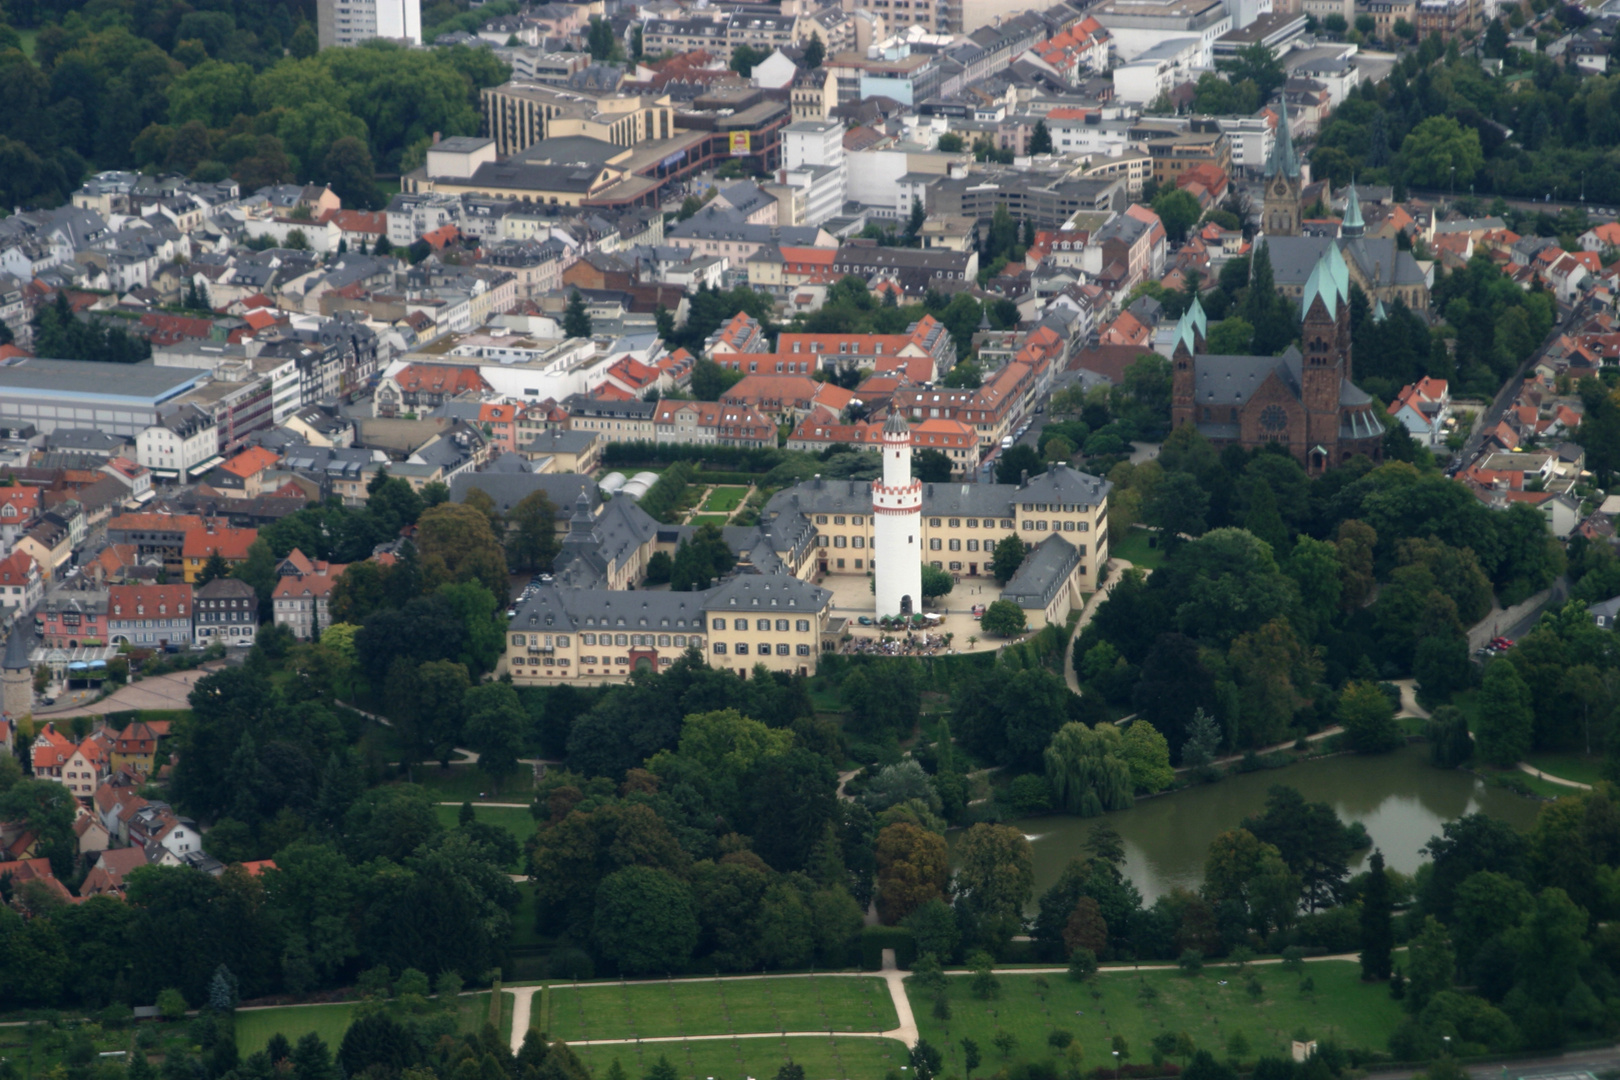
(509,489)
(1042,573)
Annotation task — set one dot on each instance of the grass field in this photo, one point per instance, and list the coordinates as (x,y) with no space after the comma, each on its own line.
(723,500)
(30,38)
(722,1007)
(1577,767)
(464,783)
(735,1059)
(716,520)
(255,1026)
(1340,1007)
(515,820)
(1133,547)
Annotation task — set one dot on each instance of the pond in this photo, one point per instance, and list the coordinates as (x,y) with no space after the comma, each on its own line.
(1398,797)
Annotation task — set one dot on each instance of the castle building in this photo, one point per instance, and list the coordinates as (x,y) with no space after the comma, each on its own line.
(897,525)
(1303,401)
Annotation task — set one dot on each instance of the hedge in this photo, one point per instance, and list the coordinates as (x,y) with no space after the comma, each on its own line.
(874,939)
(664,497)
(744,458)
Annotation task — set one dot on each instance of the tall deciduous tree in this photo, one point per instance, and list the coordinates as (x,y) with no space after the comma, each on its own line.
(913,867)
(1088,770)
(1505,715)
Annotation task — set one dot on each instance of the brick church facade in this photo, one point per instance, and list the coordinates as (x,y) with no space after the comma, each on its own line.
(1301,400)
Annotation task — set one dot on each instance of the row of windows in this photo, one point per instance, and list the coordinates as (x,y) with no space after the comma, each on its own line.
(972,523)
(956,545)
(224,616)
(1056,526)
(801,625)
(762,649)
(839,541)
(838,519)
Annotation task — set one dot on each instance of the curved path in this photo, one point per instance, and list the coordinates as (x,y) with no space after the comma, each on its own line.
(905,1032)
(1526,767)
(1116,570)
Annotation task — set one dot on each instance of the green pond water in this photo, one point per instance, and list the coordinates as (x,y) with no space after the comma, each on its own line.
(1398,797)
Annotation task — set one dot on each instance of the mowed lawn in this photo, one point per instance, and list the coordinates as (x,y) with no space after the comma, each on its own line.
(254,1027)
(514,819)
(1340,1007)
(1577,767)
(469,783)
(839,1058)
(717,520)
(1133,547)
(723,500)
(608,1010)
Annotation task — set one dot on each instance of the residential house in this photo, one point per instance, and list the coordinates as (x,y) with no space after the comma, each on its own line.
(202,544)
(1423,408)
(178,442)
(21,583)
(134,748)
(246,475)
(227,613)
(709,422)
(106,878)
(68,620)
(155,616)
(303,591)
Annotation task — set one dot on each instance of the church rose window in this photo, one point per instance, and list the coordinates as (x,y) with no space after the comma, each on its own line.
(1273,418)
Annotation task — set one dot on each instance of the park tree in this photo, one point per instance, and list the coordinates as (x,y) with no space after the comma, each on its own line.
(913,868)
(1377,933)
(1148,754)
(1368,718)
(931,466)
(1178,210)
(531,539)
(645,921)
(494,727)
(995,876)
(1003,618)
(1440,153)
(1008,557)
(1505,715)
(456,544)
(1016,462)
(936,582)
(1040,139)
(1088,769)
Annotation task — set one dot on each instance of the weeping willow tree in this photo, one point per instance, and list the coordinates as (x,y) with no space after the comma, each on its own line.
(1088,770)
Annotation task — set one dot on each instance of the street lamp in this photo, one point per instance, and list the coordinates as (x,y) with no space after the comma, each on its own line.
(1447,1038)
(1116,1065)
(1454,183)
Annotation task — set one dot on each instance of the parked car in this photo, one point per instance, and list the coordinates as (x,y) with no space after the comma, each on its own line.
(864,620)
(978,611)
(1501,643)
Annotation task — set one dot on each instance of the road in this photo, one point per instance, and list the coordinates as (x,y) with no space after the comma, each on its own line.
(1510,388)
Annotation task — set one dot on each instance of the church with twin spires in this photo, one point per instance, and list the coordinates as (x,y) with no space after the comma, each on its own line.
(1303,400)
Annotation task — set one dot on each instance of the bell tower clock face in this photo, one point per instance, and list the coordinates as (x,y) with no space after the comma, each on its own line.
(1281,187)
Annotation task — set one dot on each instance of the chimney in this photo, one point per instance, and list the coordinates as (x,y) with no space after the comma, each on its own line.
(1023,478)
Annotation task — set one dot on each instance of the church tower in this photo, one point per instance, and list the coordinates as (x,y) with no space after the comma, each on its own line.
(1280,212)
(1325,335)
(897,525)
(1353,226)
(1189,342)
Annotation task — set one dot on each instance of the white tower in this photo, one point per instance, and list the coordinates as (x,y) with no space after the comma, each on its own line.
(897,525)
